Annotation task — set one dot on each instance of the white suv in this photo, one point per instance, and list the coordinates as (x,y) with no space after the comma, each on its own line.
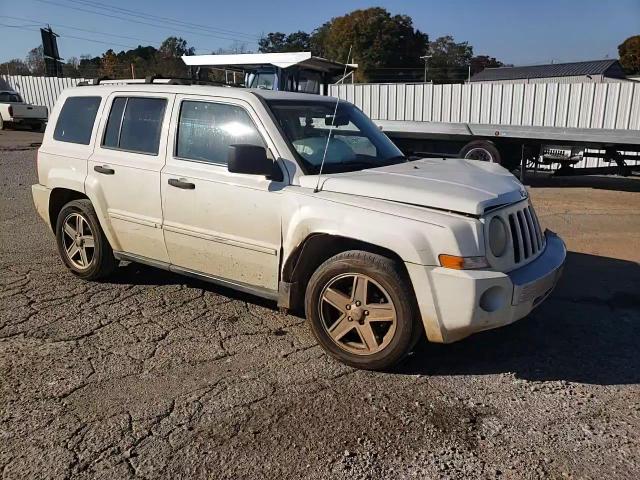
(222,184)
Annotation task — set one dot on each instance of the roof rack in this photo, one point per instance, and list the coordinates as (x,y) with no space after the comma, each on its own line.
(152,79)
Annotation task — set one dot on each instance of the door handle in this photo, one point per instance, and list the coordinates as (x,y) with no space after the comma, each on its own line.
(104,170)
(175,182)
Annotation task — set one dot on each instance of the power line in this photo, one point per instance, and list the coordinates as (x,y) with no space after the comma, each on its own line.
(157,25)
(145,15)
(68,36)
(59,25)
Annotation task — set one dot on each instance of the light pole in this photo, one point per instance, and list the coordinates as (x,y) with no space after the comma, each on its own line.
(426,68)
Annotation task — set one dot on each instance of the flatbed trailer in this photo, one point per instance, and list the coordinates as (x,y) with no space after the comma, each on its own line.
(580,128)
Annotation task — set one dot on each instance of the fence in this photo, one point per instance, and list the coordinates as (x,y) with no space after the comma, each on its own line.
(576,105)
(40,90)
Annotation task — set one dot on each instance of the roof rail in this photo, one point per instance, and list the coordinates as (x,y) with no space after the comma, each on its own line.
(153,79)
(94,81)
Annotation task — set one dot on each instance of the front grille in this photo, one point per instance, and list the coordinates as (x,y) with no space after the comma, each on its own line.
(526,234)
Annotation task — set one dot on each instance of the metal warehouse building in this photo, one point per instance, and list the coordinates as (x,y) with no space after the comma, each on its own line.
(596,71)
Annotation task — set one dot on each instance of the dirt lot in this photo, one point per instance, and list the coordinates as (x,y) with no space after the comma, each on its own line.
(152,375)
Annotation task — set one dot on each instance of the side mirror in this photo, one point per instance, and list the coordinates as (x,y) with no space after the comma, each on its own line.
(250,159)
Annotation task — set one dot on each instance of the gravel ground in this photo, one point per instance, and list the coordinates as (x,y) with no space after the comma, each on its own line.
(152,375)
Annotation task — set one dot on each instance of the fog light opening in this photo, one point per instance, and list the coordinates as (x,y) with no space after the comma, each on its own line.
(493,299)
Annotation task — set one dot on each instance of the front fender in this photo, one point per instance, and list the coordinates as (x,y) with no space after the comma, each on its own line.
(416,235)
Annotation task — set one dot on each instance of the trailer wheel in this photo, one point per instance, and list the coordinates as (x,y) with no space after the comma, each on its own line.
(481,150)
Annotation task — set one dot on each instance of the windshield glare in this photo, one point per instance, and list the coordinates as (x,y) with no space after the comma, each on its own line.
(355,144)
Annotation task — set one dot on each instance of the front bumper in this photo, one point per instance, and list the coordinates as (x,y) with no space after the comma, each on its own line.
(457,303)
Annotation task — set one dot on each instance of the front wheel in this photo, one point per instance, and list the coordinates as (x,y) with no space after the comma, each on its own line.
(362,310)
(82,244)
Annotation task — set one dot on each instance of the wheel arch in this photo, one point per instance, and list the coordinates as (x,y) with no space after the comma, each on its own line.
(312,252)
(58,198)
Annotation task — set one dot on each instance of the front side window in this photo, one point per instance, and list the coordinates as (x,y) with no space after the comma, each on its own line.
(135,124)
(355,143)
(75,122)
(205,131)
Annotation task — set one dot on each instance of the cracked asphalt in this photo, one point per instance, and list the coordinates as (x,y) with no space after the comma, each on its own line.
(151,375)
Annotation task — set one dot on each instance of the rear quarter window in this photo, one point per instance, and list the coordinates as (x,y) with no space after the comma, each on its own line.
(76,119)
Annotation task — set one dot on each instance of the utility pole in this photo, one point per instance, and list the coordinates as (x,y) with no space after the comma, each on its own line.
(426,67)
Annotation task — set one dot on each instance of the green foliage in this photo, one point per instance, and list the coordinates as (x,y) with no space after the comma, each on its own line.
(15,66)
(386,48)
(378,39)
(629,52)
(480,62)
(449,60)
(281,42)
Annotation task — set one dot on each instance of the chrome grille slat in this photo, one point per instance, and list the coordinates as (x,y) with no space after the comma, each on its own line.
(518,249)
(524,230)
(538,229)
(527,237)
(532,233)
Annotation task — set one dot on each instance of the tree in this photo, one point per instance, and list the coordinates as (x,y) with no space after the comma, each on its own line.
(108,64)
(480,62)
(381,43)
(14,67)
(35,60)
(281,42)
(169,57)
(629,52)
(70,68)
(175,47)
(450,60)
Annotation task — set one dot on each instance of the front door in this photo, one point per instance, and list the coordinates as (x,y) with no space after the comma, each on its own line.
(124,170)
(225,225)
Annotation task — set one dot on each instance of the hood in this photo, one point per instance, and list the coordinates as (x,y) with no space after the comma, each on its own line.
(465,186)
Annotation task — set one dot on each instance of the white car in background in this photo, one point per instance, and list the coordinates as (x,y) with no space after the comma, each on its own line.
(15,111)
(224,184)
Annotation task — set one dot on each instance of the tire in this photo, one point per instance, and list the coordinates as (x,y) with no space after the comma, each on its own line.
(97,261)
(360,341)
(481,150)
(38,127)
(1,123)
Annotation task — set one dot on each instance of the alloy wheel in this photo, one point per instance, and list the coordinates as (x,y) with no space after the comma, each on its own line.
(357,313)
(78,241)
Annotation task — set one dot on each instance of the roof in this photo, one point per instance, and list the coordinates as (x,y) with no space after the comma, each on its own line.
(594,67)
(282,60)
(205,90)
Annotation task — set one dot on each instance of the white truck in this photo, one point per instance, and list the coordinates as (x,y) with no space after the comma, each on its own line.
(297,198)
(15,111)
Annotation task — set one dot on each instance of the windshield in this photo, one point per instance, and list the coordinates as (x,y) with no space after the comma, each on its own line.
(355,144)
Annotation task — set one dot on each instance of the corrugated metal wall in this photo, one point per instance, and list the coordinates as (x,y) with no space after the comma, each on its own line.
(578,105)
(40,90)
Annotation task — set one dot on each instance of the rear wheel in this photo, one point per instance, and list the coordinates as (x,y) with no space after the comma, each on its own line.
(362,310)
(81,242)
(481,150)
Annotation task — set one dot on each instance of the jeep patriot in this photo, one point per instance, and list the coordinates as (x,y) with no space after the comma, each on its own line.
(225,184)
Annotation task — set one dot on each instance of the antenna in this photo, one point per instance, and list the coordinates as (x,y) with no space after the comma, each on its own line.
(333,122)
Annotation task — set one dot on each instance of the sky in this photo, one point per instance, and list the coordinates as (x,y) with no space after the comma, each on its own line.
(514,31)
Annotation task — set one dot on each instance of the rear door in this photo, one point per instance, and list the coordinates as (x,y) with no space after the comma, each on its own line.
(124,170)
(223,224)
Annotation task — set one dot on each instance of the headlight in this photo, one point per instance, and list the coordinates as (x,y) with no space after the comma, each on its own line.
(497,237)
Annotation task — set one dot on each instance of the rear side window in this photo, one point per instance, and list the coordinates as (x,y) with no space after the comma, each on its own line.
(205,131)
(135,124)
(75,122)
